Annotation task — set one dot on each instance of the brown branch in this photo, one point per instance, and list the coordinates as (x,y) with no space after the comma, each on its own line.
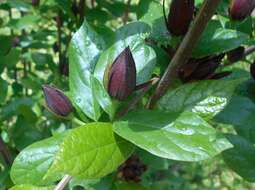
(81,10)
(5,152)
(62,184)
(184,51)
(126,13)
(249,51)
(136,99)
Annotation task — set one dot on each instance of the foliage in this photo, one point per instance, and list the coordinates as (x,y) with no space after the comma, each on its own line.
(200,135)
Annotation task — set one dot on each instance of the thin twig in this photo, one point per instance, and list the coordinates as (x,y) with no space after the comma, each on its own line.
(249,51)
(5,152)
(62,184)
(81,10)
(185,49)
(136,99)
(126,13)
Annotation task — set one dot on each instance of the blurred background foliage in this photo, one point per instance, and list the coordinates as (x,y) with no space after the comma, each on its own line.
(34,38)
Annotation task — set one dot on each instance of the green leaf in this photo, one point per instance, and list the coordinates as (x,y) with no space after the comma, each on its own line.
(241,158)
(85,47)
(216,39)
(206,98)
(7,41)
(30,187)
(151,12)
(91,151)
(131,35)
(103,98)
(4,90)
(128,186)
(25,22)
(184,137)
(11,58)
(34,161)
(239,114)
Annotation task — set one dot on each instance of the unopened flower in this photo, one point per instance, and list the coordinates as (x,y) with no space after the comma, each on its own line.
(57,101)
(252,70)
(199,69)
(35,2)
(236,54)
(122,76)
(180,16)
(240,9)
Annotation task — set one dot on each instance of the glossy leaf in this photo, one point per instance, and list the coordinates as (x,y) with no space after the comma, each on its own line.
(34,161)
(184,137)
(103,98)
(85,47)
(206,98)
(241,158)
(216,39)
(91,151)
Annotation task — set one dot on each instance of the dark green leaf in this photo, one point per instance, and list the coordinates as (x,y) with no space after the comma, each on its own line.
(241,158)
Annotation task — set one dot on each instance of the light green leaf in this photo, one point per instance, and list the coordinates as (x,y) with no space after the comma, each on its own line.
(30,187)
(91,151)
(33,162)
(206,98)
(184,137)
(85,47)
(103,98)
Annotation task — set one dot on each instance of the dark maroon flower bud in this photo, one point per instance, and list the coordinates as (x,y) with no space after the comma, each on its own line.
(236,54)
(180,16)
(240,9)
(75,9)
(35,3)
(199,69)
(252,70)
(220,75)
(122,76)
(57,101)
(55,47)
(15,42)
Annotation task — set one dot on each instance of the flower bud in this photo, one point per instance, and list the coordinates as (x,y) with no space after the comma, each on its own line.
(199,69)
(180,16)
(122,76)
(57,102)
(240,9)
(252,70)
(35,2)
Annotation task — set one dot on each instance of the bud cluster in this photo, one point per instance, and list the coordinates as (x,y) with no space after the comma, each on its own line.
(200,69)
(132,169)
